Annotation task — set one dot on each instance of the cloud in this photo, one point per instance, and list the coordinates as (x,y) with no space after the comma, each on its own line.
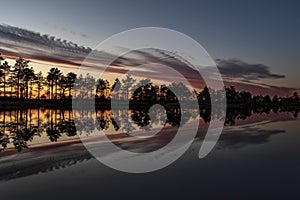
(84,35)
(234,68)
(261,88)
(16,42)
(251,77)
(31,43)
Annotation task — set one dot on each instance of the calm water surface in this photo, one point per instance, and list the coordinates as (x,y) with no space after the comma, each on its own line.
(256,158)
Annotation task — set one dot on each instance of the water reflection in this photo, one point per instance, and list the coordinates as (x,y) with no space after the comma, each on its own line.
(238,138)
(53,140)
(20,129)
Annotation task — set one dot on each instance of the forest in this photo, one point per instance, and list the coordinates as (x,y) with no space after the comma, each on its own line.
(21,82)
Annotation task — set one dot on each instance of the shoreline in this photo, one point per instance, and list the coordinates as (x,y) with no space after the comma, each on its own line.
(68,104)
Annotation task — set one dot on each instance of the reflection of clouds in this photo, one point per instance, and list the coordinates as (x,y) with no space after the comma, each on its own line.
(241,137)
(248,131)
(50,157)
(42,160)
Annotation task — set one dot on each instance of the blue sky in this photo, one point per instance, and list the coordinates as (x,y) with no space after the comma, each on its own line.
(253,31)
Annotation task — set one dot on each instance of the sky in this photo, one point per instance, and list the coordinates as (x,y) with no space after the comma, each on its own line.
(252,32)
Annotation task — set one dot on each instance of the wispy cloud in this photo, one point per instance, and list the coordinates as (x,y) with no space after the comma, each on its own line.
(26,36)
(16,41)
(234,68)
(251,77)
(261,88)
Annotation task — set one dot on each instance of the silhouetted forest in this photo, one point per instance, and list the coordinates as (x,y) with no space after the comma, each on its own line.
(21,82)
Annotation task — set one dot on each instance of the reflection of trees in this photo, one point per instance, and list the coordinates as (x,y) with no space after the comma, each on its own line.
(103,119)
(22,126)
(51,128)
(20,134)
(4,140)
(87,123)
(122,122)
(140,117)
(115,124)
(67,127)
(19,128)
(53,133)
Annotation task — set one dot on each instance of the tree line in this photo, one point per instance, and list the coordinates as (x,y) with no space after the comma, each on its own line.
(20,81)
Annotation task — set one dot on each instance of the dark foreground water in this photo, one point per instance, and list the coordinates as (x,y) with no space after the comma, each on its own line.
(256,158)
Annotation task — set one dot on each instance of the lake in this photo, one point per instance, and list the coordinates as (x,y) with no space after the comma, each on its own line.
(257,156)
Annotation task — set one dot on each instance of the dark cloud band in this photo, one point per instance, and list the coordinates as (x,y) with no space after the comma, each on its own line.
(235,68)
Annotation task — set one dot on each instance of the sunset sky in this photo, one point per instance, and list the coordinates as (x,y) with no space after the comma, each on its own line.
(253,43)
